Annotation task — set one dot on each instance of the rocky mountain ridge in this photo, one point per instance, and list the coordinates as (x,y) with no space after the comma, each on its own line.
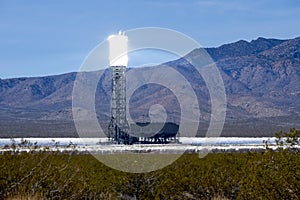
(261,79)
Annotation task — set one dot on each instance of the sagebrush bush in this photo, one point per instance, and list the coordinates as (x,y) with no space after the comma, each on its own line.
(272,174)
(268,175)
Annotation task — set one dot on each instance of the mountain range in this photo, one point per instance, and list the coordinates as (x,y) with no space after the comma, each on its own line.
(261,78)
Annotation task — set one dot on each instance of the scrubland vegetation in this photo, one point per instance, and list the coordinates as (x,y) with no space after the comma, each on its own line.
(272,174)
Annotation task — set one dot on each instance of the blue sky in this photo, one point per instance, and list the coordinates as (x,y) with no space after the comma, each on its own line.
(54,36)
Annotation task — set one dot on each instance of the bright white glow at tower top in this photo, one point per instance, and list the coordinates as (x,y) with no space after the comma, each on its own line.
(118,47)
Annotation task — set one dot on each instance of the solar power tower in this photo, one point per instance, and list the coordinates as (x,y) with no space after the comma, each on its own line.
(118,128)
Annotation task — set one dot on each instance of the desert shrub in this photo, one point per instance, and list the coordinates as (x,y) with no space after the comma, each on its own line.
(272,174)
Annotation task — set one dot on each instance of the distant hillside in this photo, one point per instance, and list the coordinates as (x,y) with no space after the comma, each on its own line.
(242,48)
(261,79)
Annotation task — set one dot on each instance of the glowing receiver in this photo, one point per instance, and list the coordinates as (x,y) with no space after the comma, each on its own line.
(118,47)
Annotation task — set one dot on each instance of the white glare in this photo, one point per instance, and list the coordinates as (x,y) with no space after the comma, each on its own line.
(118,47)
